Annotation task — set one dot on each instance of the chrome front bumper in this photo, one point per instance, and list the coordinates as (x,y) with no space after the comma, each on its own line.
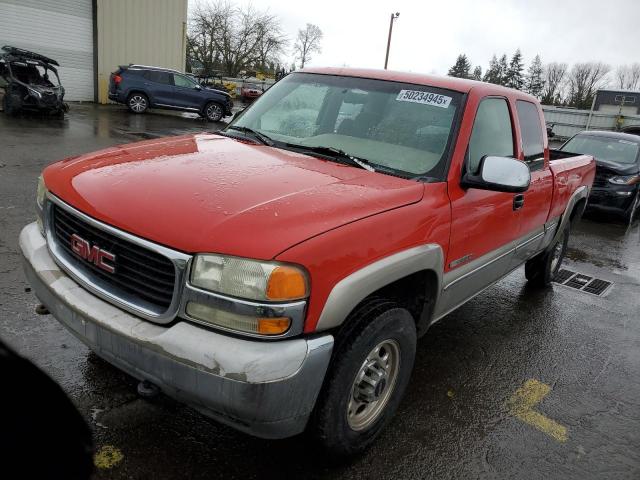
(267,389)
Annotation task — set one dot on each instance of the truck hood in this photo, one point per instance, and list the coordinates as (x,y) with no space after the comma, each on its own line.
(209,193)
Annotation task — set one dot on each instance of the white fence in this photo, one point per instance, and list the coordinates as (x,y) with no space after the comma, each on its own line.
(569,121)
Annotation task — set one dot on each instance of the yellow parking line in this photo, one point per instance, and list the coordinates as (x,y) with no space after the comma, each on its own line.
(107,457)
(521,406)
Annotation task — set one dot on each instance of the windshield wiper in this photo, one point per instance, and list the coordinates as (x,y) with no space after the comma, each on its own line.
(261,137)
(336,153)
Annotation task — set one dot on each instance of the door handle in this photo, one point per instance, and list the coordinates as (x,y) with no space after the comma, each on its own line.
(518,201)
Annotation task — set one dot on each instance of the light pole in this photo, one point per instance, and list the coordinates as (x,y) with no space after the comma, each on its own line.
(393,17)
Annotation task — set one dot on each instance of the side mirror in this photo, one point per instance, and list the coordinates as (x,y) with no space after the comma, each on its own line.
(197,87)
(499,174)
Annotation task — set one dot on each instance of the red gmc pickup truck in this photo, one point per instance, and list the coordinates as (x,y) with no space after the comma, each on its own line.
(275,275)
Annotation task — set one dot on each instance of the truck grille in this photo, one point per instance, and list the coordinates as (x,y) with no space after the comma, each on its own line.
(146,277)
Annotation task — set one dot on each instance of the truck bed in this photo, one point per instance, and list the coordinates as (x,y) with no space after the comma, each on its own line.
(570,172)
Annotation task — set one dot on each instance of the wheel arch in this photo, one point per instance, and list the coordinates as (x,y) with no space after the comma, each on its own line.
(209,100)
(134,90)
(572,213)
(412,278)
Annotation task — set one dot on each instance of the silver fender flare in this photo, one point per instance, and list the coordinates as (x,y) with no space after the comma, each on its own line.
(580,193)
(354,288)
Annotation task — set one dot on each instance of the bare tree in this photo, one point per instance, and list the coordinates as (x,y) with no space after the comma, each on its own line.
(584,80)
(628,76)
(225,37)
(554,77)
(308,42)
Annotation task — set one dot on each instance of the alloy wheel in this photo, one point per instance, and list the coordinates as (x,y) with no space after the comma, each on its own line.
(214,112)
(373,385)
(138,103)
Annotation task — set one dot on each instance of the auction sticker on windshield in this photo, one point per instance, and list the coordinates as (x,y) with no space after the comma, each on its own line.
(425,98)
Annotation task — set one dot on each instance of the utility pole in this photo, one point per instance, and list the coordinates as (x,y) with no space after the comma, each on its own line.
(393,17)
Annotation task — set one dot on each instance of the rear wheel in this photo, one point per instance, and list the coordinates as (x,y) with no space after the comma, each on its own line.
(542,269)
(138,102)
(213,112)
(369,373)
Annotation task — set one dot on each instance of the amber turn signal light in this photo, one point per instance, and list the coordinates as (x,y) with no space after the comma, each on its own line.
(286,283)
(273,326)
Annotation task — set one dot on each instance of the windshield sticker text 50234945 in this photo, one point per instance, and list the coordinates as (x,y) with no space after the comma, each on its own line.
(426,98)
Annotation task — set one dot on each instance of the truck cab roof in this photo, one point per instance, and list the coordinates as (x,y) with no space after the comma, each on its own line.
(451,83)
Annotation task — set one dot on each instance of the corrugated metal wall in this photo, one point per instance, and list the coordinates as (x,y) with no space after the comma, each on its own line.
(569,121)
(147,32)
(60,29)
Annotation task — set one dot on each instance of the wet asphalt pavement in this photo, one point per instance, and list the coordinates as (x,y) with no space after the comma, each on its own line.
(458,419)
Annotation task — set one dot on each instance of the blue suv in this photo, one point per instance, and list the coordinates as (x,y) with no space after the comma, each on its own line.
(141,87)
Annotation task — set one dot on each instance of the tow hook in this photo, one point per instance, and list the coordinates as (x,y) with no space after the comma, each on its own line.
(42,310)
(146,389)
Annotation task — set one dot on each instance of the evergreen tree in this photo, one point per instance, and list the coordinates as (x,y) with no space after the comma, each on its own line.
(534,82)
(477,73)
(514,77)
(503,67)
(462,67)
(492,75)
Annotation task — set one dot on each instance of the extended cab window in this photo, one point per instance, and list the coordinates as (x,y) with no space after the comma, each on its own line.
(492,132)
(531,131)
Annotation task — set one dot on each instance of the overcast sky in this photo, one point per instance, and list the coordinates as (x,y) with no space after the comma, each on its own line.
(430,34)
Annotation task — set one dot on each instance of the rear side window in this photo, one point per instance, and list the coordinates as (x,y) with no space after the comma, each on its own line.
(492,132)
(531,131)
(159,77)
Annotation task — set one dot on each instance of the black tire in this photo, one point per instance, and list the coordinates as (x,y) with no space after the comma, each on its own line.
(542,269)
(213,112)
(377,323)
(138,102)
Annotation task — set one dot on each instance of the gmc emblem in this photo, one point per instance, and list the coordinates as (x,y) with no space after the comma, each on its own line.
(93,254)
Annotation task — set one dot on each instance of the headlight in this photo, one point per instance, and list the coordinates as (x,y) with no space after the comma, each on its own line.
(249,279)
(625,180)
(41,193)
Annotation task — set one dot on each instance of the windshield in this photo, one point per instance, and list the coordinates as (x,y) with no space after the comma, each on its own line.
(603,148)
(404,128)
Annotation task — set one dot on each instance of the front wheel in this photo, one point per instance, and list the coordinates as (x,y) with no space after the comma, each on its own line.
(542,269)
(213,112)
(369,373)
(138,102)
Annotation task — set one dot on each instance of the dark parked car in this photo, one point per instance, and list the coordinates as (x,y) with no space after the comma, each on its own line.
(31,82)
(616,187)
(141,87)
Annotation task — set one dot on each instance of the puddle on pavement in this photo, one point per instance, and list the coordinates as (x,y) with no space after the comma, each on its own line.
(578,255)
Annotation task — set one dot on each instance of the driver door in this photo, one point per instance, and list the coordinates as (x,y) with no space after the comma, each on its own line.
(186,93)
(485,224)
